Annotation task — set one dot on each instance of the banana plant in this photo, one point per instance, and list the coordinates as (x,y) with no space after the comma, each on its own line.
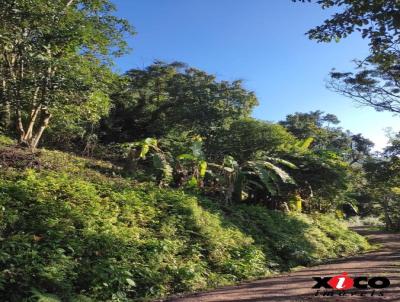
(136,151)
(193,166)
(241,181)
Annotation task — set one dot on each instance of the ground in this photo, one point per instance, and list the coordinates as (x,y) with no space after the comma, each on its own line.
(297,286)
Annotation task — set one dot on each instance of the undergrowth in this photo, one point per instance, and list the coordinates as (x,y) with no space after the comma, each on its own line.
(71,229)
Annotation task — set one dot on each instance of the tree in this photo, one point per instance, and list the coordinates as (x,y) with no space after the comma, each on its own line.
(383,176)
(376,82)
(322,178)
(54,54)
(304,125)
(245,138)
(164,98)
(317,125)
(360,148)
(393,149)
(375,86)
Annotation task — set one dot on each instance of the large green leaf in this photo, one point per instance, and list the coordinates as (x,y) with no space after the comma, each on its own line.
(202,168)
(197,149)
(145,149)
(282,162)
(192,182)
(285,177)
(151,142)
(266,178)
(147,144)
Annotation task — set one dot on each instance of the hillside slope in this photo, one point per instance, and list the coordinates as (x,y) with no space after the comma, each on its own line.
(71,229)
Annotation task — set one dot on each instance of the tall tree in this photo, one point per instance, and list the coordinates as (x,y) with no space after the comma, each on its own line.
(166,97)
(360,148)
(383,175)
(54,54)
(317,125)
(376,81)
(352,148)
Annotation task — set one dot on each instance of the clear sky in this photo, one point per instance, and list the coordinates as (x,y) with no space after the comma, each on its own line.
(259,41)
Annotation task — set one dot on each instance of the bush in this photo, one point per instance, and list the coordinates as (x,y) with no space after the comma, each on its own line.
(6,141)
(291,240)
(70,231)
(68,236)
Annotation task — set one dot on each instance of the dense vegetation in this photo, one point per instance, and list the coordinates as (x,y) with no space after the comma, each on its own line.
(180,189)
(70,230)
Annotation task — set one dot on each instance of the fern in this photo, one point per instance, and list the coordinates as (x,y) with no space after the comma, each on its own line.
(42,297)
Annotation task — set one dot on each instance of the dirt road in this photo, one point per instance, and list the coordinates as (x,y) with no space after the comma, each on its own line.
(297,286)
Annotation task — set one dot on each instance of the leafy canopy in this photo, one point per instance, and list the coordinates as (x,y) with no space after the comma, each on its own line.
(174,97)
(55,54)
(376,81)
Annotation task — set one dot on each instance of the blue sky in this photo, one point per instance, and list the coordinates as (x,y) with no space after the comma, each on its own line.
(259,41)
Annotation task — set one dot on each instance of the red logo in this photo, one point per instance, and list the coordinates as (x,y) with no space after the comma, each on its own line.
(341,282)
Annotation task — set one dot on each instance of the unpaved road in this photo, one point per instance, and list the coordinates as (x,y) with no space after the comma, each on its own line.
(297,286)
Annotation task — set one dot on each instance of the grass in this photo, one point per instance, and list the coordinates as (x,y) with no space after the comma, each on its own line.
(72,229)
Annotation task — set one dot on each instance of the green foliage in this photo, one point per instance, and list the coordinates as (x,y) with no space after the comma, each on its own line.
(74,125)
(256,180)
(146,145)
(306,143)
(173,97)
(291,240)
(166,241)
(41,297)
(60,229)
(376,82)
(75,230)
(55,57)
(133,153)
(383,177)
(245,137)
(269,174)
(322,179)
(192,167)
(316,130)
(355,17)
(6,141)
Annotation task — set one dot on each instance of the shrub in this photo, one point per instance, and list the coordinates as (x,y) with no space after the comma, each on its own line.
(67,236)
(71,233)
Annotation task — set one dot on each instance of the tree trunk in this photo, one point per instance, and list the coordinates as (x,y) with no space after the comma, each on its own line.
(5,110)
(388,220)
(34,114)
(20,127)
(5,116)
(44,123)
